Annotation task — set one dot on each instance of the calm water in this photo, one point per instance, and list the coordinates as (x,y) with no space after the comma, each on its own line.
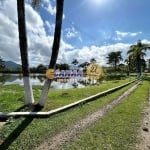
(38,79)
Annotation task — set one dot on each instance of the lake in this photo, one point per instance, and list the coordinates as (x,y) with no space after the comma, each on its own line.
(38,79)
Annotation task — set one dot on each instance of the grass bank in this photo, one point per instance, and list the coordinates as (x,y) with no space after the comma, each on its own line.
(119,129)
(27,133)
(12,96)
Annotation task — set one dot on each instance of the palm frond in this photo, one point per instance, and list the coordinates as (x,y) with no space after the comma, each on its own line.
(36,3)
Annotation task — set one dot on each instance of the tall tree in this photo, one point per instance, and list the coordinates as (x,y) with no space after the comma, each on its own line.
(136,54)
(75,62)
(114,58)
(84,65)
(24,51)
(41,68)
(2,65)
(55,49)
(93,60)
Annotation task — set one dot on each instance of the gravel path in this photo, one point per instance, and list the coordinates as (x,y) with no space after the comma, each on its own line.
(72,132)
(2,123)
(145,129)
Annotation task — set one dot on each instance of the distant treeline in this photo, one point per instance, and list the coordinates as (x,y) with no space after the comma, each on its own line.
(39,69)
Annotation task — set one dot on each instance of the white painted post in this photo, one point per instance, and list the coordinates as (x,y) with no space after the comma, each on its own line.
(29,99)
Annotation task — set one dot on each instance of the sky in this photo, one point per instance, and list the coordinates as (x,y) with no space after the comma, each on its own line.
(90,29)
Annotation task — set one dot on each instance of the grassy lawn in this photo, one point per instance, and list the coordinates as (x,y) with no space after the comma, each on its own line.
(12,96)
(119,129)
(27,133)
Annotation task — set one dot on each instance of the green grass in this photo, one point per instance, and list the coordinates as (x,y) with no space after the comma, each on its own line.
(12,96)
(64,97)
(119,129)
(27,133)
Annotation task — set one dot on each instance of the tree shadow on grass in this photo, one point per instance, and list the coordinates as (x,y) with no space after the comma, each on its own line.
(17,110)
(15,134)
(21,108)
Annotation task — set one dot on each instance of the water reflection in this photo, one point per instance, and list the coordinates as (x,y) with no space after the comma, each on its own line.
(38,79)
(4,78)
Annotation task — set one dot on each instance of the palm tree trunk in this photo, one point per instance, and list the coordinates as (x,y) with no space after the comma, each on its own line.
(115,65)
(55,49)
(138,67)
(24,51)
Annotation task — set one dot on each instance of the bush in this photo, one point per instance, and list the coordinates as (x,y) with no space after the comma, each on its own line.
(115,76)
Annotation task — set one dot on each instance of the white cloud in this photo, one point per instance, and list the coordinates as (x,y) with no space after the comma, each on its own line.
(47,5)
(125,34)
(145,41)
(8,8)
(39,43)
(9,46)
(72,33)
(99,53)
(8,30)
(51,9)
(50,27)
(120,35)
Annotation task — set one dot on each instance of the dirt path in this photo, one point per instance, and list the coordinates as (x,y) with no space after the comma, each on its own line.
(72,132)
(2,123)
(145,129)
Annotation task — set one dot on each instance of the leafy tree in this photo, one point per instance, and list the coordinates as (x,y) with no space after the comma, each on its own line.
(93,60)
(19,69)
(84,65)
(148,65)
(2,65)
(33,69)
(143,64)
(41,68)
(136,54)
(64,66)
(114,58)
(75,61)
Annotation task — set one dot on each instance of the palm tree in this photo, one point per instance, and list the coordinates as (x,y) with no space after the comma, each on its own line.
(55,49)
(114,58)
(136,54)
(24,51)
(130,65)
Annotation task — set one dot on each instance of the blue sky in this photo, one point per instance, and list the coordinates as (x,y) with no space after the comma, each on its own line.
(98,24)
(91,28)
